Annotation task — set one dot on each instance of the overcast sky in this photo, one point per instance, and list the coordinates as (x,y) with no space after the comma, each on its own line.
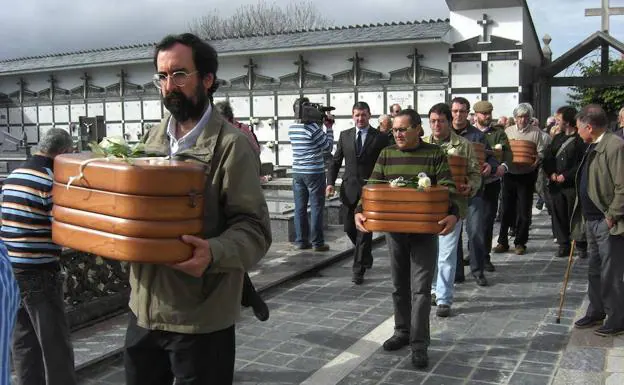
(35,27)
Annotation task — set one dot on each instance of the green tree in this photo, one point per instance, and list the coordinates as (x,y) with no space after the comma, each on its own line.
(610,98)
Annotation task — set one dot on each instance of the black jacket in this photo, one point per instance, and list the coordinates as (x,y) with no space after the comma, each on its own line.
(357,168)
(567,162)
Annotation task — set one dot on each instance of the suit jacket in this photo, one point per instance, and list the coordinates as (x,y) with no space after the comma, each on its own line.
(357,168)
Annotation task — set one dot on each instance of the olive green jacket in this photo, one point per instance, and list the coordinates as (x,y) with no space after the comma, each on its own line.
(463,147)
(496,135)
(606,183)
(236,224)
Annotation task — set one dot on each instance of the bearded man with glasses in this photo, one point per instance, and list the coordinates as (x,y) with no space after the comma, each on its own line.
(182,315)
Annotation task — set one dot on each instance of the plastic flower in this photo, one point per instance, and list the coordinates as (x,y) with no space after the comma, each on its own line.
(451,151)
(398,182)
(498,146)
(423,180)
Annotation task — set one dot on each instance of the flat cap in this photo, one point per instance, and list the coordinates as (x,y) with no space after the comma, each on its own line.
(483,106)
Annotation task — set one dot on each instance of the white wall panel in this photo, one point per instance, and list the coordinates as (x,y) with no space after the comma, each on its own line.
(426,126)
(263,106)
(95,109)
(403,98)
(45,114)
(317,98)
(285,105)
(133,130)
(466,75)
(61,113)
(30,114)
(151,110)
(132,110)
(114,130)
(264,131)
(472,98)
(241,106)
(267,155)
(282,129)
(504,104)
(504,73)
(15,115)
(427,99)
(76,111)
(32,134)
(343,102)
(113,111)
(285,154)
(375,101)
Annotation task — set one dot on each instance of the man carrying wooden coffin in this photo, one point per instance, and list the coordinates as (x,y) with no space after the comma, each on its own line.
(182,315)
(412,256)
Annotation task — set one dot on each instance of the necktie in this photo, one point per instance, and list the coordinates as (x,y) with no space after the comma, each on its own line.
(358,143)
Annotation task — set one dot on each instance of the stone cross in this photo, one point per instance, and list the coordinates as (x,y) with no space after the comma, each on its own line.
(485,22)
(356,60)
(605,12)
(250,73)
(301,63)
(415,65)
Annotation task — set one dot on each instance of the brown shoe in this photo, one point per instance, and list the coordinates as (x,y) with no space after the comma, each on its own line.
(520,249)
(500,249)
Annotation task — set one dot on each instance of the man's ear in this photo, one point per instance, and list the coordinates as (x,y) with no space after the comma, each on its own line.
(208,80)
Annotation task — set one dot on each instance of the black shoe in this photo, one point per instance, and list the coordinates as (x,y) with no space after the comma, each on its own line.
(434,300)
(587,322)
(420,360)
(581,253)
(395,343)
(358,278)
(489,267)
(302,246)
(323,247)
(500,248)
(481,280)
(607,331)
(443,310)
(260,309)
(512,233)
(459,279)
(466,261)
(563,252)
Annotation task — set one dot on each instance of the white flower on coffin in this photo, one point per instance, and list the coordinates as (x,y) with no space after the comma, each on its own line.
(111,141)
(451,151)
(498,146)
(423,180)
(398,182)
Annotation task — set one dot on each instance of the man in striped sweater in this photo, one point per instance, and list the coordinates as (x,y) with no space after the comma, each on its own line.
(42,351)
(412,256)
(309,144)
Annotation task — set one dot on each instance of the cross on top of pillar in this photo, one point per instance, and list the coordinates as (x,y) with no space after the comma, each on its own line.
(605,12)
(485,22)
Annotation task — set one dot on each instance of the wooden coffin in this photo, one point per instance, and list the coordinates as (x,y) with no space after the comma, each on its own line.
(479,149)
(459,170)
(524,151)
(126,227)
(128,211)
(119,247)
(143,207)
(145,176)
(404,209)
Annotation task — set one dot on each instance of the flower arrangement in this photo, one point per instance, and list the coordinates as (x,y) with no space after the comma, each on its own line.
(421,182)
(451,151)
(498,146)
(116,147)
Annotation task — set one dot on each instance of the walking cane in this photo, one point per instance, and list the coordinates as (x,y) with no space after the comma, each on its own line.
(562,293)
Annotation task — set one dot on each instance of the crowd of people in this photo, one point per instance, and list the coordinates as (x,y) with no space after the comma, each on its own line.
(182,316)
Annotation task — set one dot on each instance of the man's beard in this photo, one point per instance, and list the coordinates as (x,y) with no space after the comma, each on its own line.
(182,108)
(484,122)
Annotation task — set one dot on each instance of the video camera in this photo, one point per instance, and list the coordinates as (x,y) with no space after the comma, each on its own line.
(308,112)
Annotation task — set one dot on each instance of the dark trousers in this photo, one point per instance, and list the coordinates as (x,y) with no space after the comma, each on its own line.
(561,211)
(42,351)
(156,357)
(606,269)
(9,303)
(518,192)
(477,250)
(362,253)
(491,191)
(413,260)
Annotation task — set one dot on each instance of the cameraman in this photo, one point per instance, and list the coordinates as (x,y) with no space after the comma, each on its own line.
(309,144)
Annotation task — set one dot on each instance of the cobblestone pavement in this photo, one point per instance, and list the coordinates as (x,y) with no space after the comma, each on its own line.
(324,330)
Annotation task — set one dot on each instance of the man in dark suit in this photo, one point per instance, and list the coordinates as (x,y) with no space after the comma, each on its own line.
(359,146)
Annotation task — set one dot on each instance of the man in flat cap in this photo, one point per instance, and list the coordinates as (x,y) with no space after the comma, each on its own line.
(497,139)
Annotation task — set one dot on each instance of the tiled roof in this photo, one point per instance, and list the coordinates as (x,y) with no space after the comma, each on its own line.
(371,33)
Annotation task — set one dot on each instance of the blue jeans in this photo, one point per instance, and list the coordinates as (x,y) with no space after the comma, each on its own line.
(447,263)
(309,188)
(9,303)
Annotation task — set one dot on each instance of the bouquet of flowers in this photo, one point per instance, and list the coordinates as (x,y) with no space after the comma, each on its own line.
(421,182)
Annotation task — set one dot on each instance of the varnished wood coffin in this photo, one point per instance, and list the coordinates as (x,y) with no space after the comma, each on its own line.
(404,209)
(479,149)
(524,151)
(459,170)
(132,212)
(145,176)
